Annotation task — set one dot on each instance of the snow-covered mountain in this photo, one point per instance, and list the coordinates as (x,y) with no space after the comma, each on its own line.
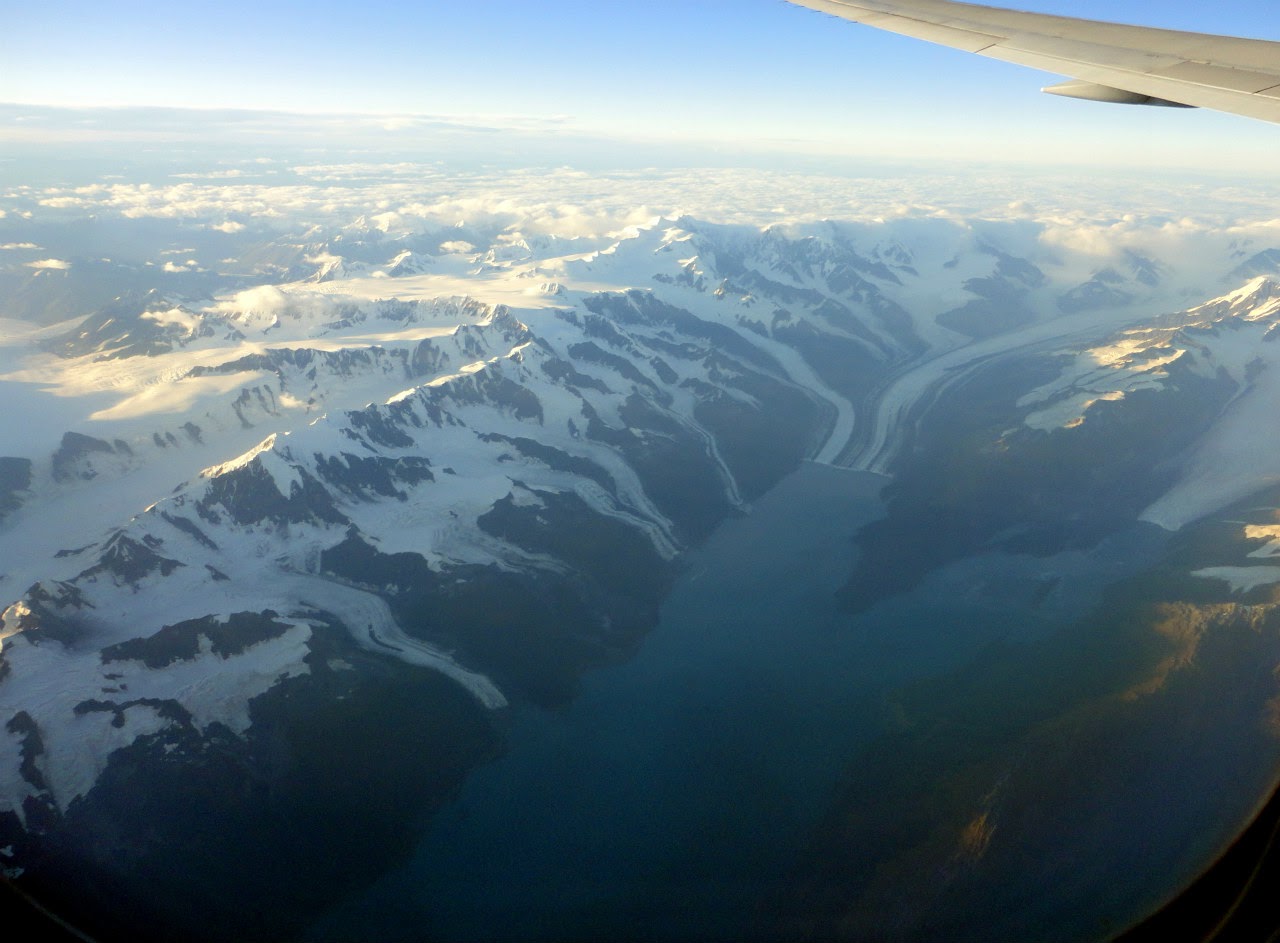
(1229,342)
(483,460)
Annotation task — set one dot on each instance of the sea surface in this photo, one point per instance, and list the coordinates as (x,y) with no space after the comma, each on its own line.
(679,786)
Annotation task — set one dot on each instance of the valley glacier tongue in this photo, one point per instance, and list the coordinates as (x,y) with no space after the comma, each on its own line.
(481,462)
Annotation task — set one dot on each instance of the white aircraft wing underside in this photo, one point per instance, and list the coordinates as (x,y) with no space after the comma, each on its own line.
(1137,63)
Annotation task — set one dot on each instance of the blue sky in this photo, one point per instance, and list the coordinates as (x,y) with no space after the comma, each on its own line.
(748,74)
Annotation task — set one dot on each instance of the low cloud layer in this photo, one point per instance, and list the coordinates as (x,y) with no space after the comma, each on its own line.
(257,217)
(400,195)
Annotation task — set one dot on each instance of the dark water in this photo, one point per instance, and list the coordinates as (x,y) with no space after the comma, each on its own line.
(678,787)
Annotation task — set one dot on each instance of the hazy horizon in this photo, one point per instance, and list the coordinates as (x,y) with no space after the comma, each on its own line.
(743,78)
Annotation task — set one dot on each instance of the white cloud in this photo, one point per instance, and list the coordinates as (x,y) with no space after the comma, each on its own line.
(21,245)
(191,265)
(176,316)
(64,202)
(265,299)
(1070,227)
(211,175)
(49,264)
(262,306)
(419,197)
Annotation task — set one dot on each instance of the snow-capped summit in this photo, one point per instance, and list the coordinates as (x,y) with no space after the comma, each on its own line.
(409,262)
(1256,300)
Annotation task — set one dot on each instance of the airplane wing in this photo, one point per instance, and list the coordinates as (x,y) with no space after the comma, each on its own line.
(1110,62)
